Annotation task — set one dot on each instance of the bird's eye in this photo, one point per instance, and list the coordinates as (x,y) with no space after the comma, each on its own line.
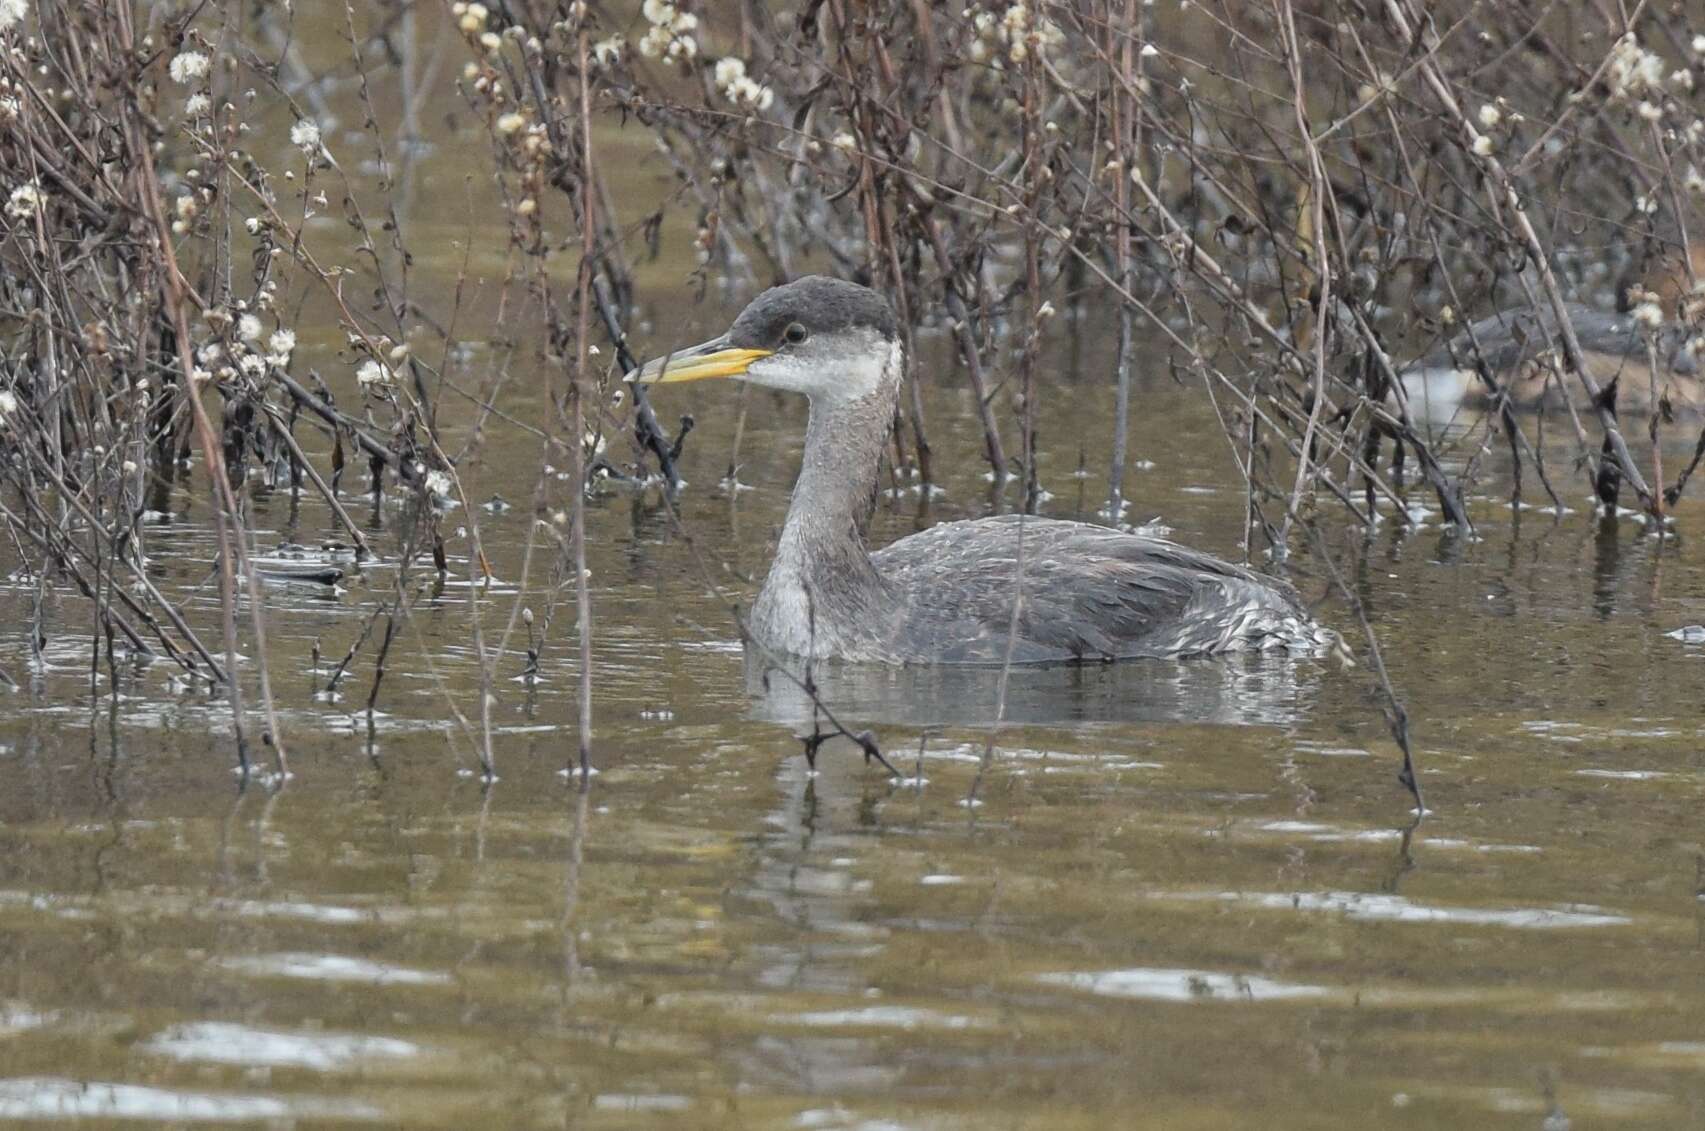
(795,333)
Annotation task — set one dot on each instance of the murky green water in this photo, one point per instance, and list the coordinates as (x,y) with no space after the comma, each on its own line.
(1191,895)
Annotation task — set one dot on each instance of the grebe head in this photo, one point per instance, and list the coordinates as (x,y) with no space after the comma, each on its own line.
(832,340)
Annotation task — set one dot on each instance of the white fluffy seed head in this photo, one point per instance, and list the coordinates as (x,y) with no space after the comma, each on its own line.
(188,67)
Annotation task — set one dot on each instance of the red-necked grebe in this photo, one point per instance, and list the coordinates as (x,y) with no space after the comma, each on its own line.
(946,595)
(1522,353)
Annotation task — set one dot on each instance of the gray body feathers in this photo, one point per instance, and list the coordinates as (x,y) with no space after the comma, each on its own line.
(1088,593)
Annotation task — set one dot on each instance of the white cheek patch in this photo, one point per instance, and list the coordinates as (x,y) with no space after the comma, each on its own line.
(867,366)
(783,371)
(868,373)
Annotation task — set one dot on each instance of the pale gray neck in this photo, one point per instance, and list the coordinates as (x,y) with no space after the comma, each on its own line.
(823,537)
(823,594)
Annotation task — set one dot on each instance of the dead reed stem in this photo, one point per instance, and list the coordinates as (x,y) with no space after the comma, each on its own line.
(577,413)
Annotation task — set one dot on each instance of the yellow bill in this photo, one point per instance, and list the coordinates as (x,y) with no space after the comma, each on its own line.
(715,358)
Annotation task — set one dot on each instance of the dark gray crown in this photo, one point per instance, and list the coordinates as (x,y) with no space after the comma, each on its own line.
(818,303)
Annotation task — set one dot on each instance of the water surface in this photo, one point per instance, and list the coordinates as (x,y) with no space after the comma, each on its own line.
(1186,895)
